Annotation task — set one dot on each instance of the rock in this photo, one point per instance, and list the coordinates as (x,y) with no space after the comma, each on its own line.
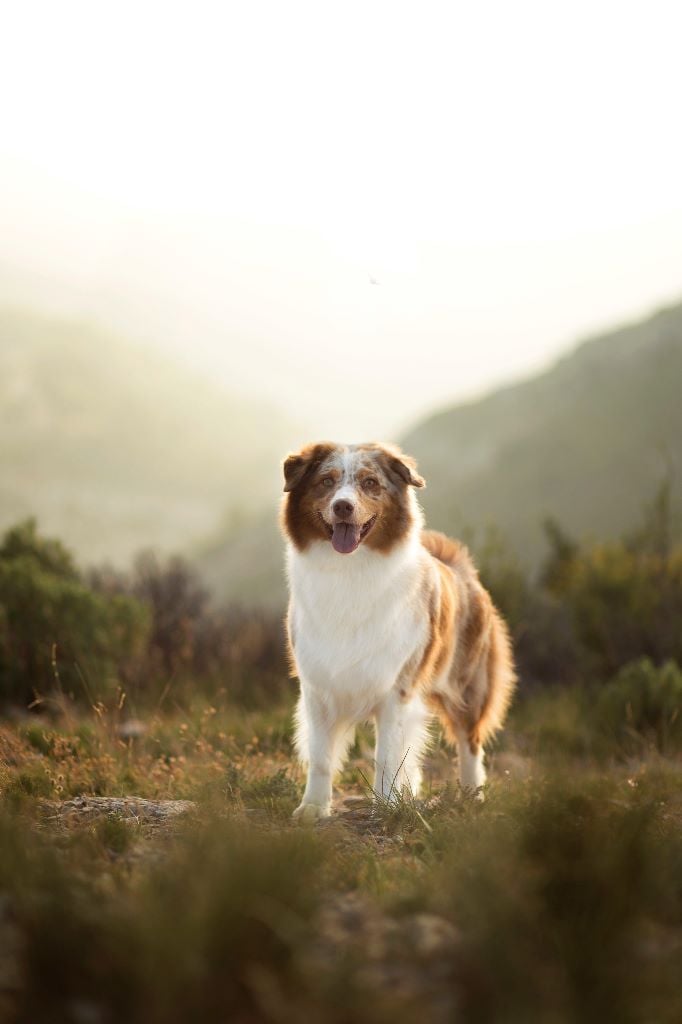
(404,960)
(431,936)
(86,808)
(132,729)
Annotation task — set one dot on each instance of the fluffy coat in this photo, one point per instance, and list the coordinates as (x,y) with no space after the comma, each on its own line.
(386,621)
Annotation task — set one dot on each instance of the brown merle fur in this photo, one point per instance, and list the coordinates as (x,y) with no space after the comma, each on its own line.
(482,670)
(466,632)
(307,497)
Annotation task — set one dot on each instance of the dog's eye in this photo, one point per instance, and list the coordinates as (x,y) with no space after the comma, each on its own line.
(370,482)
(328,481)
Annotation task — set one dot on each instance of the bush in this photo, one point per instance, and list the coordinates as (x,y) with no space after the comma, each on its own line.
(554,724)
(546,648)
(565,901)
(56,634)
(179,607)
(243,650)
(625,605)
(195,646)
(594,607)
(624,598)
(147,632)
(642,706)
(209,934)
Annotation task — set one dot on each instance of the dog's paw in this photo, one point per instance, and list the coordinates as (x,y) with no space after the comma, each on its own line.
(308,814)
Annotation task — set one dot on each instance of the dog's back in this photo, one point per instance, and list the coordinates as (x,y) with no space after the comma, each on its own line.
(482,676)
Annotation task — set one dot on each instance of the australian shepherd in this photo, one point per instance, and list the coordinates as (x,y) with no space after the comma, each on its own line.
(387,621)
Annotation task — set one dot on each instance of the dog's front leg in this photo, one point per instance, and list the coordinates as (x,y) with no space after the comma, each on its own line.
(401,727)
(317,740)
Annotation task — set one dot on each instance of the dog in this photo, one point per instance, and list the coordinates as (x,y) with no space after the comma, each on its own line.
(386,621)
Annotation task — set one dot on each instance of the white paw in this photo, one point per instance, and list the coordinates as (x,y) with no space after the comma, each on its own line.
(307,814)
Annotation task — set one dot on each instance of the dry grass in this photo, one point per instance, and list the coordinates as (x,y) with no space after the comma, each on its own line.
(559,899)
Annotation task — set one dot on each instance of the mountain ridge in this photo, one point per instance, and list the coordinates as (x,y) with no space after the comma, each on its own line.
(608,408)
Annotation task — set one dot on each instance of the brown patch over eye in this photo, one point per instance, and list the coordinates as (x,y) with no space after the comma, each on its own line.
(303,476)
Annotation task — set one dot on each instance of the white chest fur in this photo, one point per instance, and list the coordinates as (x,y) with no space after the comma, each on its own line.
(355,619)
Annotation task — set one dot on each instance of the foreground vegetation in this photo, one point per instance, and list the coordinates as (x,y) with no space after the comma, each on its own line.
(558,899)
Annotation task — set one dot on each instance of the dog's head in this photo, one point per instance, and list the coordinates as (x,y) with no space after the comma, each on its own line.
(348,495)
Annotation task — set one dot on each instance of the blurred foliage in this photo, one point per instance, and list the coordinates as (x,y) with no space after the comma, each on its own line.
(56,634)
(194,646)
(177,603)
(591,610)
(594,607)
(570,900)
(49,555)
(624,604)
(636,713)
(560,901)
(195,940)
(642,706)
(152,631)
(541,625)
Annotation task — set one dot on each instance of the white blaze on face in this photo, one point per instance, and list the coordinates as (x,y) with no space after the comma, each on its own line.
(347,461)
(346,528)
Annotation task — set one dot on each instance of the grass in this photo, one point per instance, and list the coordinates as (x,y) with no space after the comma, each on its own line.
(175,756)
(557,900)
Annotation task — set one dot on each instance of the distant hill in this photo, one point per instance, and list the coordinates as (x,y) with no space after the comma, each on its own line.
(587,442)
(114,448)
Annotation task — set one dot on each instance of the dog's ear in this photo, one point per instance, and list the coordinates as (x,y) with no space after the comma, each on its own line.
(297,464)
(294,469)
(404,467)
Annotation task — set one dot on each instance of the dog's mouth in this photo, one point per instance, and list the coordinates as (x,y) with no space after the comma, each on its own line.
(346,537)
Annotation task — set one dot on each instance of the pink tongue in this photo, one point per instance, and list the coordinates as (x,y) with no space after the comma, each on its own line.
(345,538)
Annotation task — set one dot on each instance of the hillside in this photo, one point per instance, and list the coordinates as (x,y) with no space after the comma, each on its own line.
(114,448)
(588,442)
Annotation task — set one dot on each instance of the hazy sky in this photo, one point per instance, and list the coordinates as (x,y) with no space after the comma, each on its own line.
(224,179)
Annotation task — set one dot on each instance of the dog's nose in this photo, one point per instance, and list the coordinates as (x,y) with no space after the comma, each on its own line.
(342,508)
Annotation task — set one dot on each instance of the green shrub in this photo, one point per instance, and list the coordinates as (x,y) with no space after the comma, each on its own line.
(23,540)
(552,723)
(642,706)
(623,598)
(546,648)
(625,605)
(565,893)
(56,634)
(198,646)
(207,934)
(62,633)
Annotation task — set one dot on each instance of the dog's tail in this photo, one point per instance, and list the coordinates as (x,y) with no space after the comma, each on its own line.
(483,666)
(495,668)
